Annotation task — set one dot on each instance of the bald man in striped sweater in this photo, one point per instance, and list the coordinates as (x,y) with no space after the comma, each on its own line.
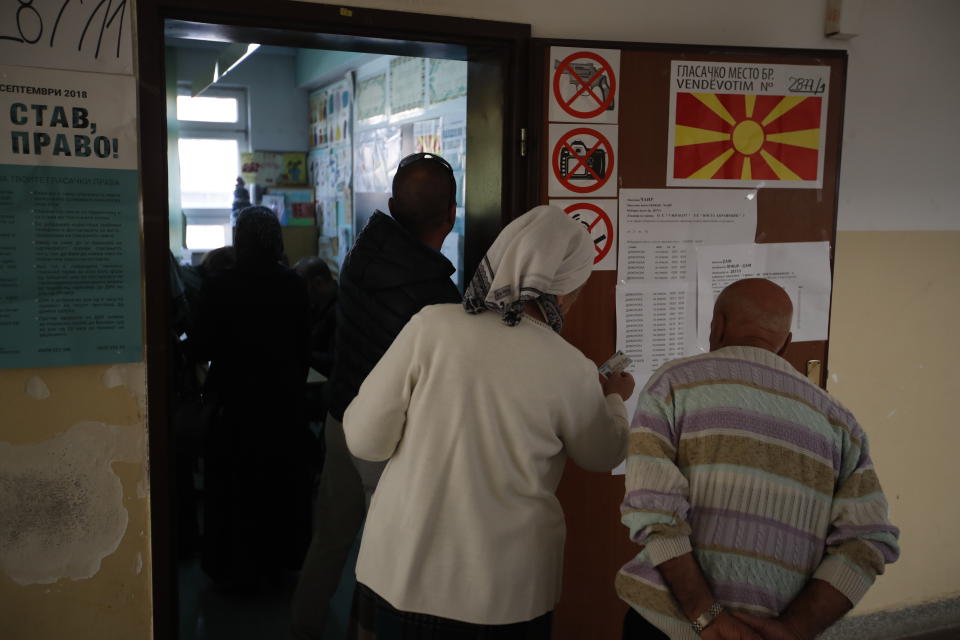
(750,489)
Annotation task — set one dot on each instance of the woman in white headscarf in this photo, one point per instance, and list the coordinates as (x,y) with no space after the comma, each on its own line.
(476,413)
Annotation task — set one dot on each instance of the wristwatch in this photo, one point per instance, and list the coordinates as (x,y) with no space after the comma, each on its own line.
(707,617)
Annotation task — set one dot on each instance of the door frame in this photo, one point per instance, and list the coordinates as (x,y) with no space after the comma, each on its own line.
(497,51)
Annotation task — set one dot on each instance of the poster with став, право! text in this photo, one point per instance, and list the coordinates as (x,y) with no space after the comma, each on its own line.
(69,219)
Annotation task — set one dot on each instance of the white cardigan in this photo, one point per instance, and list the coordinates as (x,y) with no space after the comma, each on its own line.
(477,419)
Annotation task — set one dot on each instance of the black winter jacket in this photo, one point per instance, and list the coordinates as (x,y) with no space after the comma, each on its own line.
(386,278)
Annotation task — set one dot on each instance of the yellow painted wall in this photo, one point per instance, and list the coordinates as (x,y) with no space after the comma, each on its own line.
(893,362)
(74,521)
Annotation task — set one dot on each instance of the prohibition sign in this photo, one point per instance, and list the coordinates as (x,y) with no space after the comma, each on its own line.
(586,85)
(582,161)
(602,235)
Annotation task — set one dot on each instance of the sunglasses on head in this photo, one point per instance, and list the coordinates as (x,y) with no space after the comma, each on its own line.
(432,157)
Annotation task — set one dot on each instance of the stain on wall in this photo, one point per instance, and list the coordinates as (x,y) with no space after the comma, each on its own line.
(74,514)
(37,388)
(61,504)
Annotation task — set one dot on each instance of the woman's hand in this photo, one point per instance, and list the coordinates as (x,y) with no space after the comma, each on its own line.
(620,383)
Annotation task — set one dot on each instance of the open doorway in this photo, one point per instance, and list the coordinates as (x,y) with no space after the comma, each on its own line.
(331,60)
(316,136)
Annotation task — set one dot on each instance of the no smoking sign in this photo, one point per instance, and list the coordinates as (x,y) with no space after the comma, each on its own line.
(583,161)
(599,218)
(583,85)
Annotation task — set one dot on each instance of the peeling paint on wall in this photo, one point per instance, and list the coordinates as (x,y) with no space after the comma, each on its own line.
(131,376)
(37,388)
(61,504)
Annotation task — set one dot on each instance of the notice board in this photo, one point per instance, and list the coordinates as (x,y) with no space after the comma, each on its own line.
(615,116)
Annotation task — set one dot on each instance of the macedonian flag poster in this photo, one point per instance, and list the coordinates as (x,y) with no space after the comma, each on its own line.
(747,125)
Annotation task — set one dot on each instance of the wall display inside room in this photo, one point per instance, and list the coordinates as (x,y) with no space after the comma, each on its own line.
(406,84)
(317,174)
(330,177)
(344,242)
(376,155)
(448,80)
(372,97)
(331,113)
(69,219)
(340,110)
(298,205)
(317,103)
(273,168)
(276,202)
(330,163)
(427,136)
(454,149)
(408,122)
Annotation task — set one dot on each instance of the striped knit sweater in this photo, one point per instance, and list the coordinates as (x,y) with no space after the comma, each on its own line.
(762,474)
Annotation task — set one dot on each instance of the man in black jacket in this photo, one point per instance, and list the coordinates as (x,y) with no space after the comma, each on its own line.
(394,269)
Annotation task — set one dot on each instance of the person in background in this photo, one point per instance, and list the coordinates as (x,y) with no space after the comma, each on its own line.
(476,414)
(394,270)
(750,488)
(259,457)
(322,291)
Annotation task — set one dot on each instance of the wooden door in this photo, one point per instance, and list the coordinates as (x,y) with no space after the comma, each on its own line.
(597,544)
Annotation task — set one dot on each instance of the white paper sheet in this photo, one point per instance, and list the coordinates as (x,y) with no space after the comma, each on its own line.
(659,229)
(654,325)
(801,268)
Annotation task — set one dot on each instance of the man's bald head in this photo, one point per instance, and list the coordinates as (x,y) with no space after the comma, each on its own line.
(753,312)
(424,197)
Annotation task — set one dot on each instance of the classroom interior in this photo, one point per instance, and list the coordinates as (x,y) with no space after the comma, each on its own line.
(283,120)
(895,284)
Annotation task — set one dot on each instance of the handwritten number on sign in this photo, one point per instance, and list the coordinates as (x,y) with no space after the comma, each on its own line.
(103,25)
(57,23)
(29,23)
(26,7)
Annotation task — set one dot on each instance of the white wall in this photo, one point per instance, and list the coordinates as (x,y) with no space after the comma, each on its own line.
(899,168)
(903,82)
(278,108)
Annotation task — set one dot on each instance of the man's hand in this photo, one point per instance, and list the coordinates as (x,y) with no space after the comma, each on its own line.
(620,383)
(726,627)
(768,628)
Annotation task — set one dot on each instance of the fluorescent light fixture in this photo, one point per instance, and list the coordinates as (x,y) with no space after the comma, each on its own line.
(227,60)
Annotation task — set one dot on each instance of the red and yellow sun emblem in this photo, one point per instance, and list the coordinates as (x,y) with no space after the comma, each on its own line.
(746,137)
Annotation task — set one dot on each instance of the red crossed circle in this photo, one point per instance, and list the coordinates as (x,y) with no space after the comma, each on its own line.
(566,105)
(582,160)
(604,249)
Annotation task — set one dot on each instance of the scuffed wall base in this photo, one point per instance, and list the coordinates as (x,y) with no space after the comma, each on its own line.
(898,623)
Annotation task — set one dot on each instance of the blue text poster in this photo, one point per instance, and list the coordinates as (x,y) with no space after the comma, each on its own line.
(69,219)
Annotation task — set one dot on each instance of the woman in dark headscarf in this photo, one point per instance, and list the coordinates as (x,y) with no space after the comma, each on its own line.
(477,413)
(254,330)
